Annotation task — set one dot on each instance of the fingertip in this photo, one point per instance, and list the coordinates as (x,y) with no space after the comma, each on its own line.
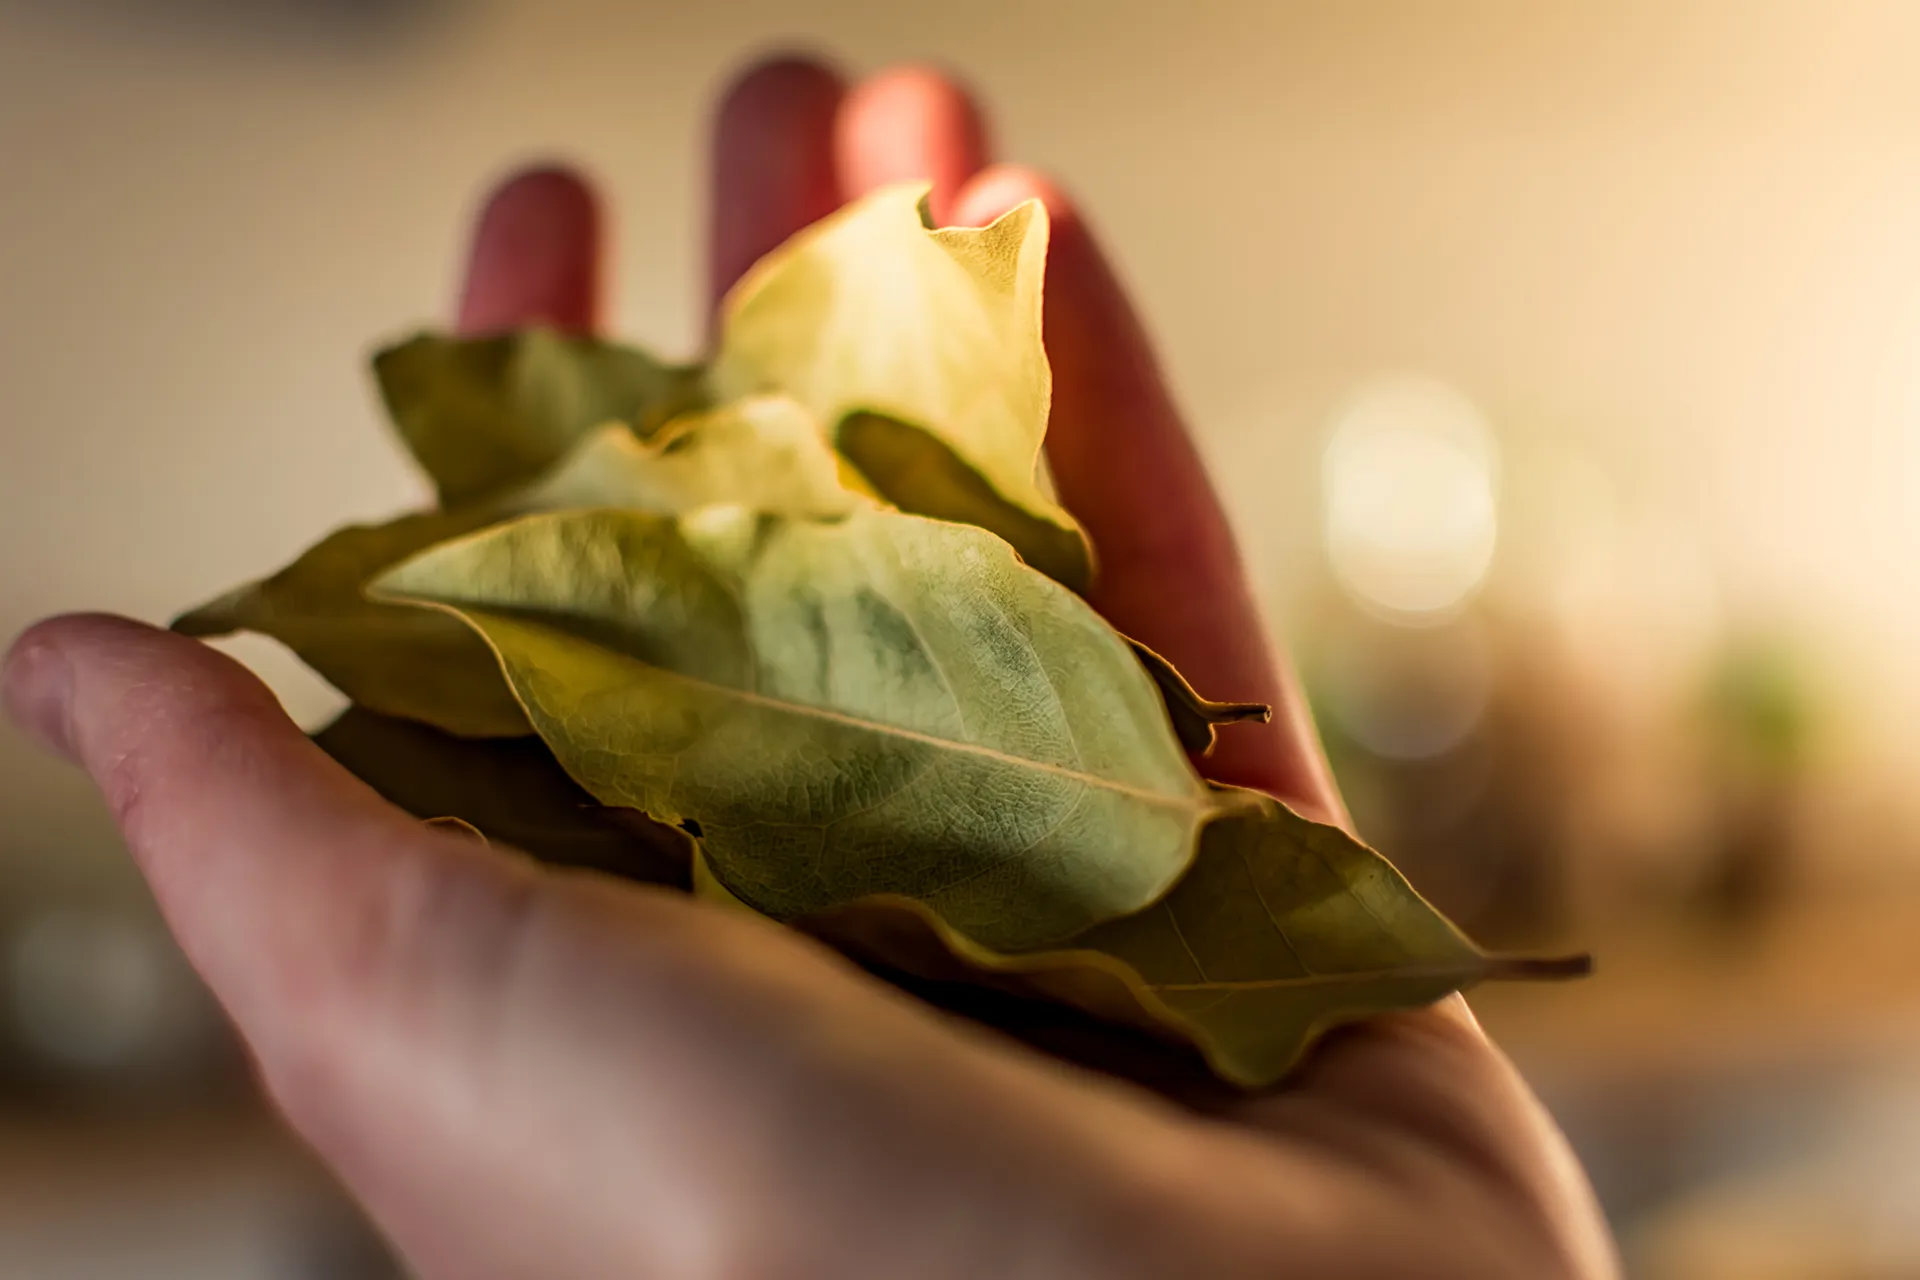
(996,190)
(536,254)
(36,686)
(548,189)
(270,862)
(776,85)
(81,681)
(773,170)
(911,123)
(63,629)
(37,674)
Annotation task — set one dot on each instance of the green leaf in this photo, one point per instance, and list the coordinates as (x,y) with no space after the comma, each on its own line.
(765,451)
(1282,929)
(1194,717)
(871,310)
(881,704)
(511,791)
(484,414)
(916,471)
(393,660)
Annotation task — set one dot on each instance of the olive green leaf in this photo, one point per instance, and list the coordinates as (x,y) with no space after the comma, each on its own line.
(1281,929)
(1194,717)
(880,704)
(918,472)
(483,414)
(389,659)
(764,452)
(872,310)
(511,792)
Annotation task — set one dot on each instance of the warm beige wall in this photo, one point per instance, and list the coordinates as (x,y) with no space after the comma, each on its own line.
(1683,239)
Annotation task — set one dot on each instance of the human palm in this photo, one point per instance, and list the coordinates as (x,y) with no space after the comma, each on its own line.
(521,1072)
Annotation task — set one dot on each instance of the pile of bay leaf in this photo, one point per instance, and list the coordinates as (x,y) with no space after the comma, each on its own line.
(809,605)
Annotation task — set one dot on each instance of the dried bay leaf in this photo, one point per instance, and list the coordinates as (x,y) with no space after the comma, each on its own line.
(1286,927)
(411,663)
(481,415)
(765,452)
(1194,717)
(389,659)
(880,704)
(1282,929)
(873,310)
(675,591)
(512,792)
(916,471)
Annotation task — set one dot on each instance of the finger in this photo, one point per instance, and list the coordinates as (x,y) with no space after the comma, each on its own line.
(772,162)
(1170,572)
(535,257)
(522,1074)
(286,880)
(910,124)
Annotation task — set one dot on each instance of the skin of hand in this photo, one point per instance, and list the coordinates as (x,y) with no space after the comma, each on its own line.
(520,1072)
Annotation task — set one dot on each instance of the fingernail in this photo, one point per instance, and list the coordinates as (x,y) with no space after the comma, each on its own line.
(37,686)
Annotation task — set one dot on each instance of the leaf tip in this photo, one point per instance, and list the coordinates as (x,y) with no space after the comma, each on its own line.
(219,617)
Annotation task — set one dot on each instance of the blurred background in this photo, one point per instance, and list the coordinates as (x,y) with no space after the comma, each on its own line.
(1560,365)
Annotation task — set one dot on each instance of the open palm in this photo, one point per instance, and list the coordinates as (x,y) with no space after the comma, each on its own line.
(528,1073)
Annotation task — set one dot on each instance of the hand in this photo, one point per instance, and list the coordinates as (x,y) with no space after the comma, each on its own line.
(527,1073)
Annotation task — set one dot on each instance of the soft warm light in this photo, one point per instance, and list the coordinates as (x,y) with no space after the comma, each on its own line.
(1409,477)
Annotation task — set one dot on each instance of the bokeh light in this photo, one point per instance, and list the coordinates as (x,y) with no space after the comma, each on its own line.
(1410,477)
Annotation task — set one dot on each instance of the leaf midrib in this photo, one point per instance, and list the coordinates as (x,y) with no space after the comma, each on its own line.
(1199,801)
(1467,967)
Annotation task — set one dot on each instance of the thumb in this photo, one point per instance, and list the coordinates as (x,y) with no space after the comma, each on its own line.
(527,1073)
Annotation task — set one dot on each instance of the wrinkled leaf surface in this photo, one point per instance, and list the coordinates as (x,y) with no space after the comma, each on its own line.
(881,704)
(767,453)
(481,415)
(872,310)
(406,662)
(1282,928)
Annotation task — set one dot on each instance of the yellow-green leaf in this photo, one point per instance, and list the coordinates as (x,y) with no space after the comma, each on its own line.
(1195,717)
(394,660)
(764,452)
(872,310)
(880,704)
(1282,929)
(512,792)
(484,414)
